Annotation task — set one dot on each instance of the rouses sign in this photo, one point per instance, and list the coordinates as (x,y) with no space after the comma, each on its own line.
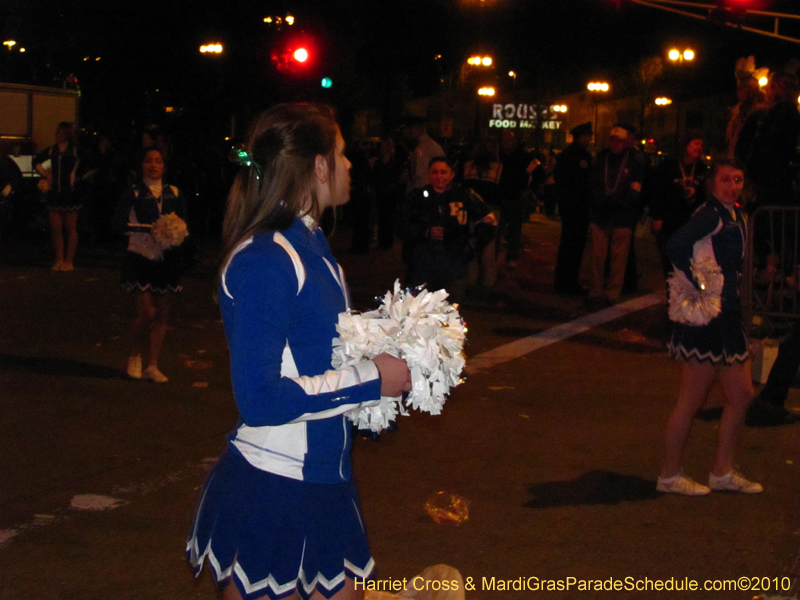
(524,116)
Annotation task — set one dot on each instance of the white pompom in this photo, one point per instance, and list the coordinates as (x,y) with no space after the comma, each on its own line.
(423,329)
(691,306)
(169,231)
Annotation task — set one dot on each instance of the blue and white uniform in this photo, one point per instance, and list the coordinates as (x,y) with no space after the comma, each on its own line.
(280,512)
(143,204)
(722,340)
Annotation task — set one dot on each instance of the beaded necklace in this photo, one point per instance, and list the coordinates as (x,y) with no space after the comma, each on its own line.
(610,191)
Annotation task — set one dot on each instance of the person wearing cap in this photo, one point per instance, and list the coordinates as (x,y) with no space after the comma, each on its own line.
(572,178)
(678,188)
(615,186)
(513,183)
(425,150)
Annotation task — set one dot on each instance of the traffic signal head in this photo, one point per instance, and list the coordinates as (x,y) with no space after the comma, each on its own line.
(294,55)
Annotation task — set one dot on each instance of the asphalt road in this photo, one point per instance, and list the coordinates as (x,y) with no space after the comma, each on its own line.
(554,442)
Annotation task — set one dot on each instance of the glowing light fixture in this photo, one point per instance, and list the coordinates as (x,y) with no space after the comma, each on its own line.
(688,54)
(211,48)
(763,81)
(486,91)
(598,86)
(663,101)
(674,54)
(300,55)
(289,20)
(478,61)
(9,43)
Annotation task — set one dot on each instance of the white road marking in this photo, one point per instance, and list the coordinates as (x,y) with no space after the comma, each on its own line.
(518,348)
(478,363)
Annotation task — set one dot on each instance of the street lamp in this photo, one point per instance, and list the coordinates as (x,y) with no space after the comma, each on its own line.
(10,44)
(663,101)
(211,49)
(480,61)
(676,55)
(486,91)
(597,87)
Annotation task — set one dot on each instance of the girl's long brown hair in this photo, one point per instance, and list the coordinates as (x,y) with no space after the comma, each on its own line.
(268,195)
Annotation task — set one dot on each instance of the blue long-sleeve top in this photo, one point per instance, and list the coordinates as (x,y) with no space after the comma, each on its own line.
(728,240)
(144,204)
(281,295)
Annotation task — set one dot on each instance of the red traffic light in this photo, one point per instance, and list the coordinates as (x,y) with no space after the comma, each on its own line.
(295,55)
(300,55)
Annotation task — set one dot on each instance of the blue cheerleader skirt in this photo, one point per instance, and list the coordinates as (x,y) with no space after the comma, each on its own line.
(140,274)
(721,341)
(274,536)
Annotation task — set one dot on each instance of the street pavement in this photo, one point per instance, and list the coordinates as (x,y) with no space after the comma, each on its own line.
(553,439)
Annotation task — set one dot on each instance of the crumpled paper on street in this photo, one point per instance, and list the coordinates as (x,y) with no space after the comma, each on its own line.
(423,329)
(422,587)
(444,507)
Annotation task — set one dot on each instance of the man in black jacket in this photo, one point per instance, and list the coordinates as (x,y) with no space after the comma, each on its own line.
(572,179)
(615,186)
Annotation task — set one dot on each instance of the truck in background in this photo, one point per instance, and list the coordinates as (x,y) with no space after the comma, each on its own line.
(28,118)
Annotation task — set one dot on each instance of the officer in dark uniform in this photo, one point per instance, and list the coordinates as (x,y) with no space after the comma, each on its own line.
(572,179)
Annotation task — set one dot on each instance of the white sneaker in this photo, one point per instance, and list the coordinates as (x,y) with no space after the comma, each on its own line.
(134,369)
(681,484)
(153,374)
(734,482)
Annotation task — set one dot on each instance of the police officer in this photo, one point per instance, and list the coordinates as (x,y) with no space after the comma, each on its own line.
(572,178)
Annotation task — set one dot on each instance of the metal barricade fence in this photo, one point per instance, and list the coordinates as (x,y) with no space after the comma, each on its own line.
(770,289)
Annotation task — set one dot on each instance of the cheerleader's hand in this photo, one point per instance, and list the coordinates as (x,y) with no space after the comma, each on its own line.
(395,375)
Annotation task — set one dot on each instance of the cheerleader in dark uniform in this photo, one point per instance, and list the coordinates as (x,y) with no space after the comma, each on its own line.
(63,202)
(151,273)
(716,350)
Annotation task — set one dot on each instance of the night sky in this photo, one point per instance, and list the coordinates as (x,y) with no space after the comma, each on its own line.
(378,52)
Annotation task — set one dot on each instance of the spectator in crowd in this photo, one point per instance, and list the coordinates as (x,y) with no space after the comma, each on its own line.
(387,172)
(769,407)
(572,180)
(513,185)
(425,150)
(767,144)
(482,172)
(615,186)
(751,99)
(361,196)
(448,225)
(676,189)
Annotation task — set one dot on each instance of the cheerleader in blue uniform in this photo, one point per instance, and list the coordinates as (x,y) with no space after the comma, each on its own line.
(63,202)
(716,350)
(279,516)
(149,272)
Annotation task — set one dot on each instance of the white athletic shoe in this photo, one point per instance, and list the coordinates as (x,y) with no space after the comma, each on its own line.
(734,482)
(681,484)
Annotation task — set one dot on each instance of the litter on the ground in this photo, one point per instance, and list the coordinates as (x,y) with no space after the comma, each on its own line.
(94,502)
(446,507)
